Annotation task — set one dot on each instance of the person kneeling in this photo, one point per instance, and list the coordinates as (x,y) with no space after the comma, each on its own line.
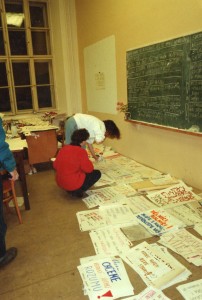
(74,171)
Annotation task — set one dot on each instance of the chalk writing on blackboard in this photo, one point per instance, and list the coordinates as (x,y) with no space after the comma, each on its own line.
(164,83)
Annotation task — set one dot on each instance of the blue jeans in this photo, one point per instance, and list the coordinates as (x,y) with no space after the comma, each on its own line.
(70,127)
(3,226)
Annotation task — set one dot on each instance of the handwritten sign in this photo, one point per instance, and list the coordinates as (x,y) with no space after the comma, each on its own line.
(174,195)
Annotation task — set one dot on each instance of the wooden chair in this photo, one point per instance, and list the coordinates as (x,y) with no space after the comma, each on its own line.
(9,194)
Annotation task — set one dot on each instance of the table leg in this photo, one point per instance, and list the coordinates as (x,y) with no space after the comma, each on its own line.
(21,170)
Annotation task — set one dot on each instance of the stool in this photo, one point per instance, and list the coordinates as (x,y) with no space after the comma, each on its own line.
(10,194)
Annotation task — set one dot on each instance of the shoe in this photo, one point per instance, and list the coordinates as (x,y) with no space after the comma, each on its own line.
(76,194)
(8,257)
(34,170)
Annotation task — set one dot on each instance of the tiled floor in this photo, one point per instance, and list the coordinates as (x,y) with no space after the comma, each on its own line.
(50,244)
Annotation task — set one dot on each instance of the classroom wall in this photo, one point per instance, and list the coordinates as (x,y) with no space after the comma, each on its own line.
(136,23)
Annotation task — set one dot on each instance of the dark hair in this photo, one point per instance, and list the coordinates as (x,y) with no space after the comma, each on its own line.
(79,136)
(112,130)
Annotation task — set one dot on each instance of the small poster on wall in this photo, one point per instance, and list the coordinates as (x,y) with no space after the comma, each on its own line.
(100,76)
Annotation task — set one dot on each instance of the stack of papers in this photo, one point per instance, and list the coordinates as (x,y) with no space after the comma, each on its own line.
(105,278)
(156,268)
(185,244)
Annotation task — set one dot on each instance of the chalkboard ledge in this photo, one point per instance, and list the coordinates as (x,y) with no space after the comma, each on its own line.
(184,131)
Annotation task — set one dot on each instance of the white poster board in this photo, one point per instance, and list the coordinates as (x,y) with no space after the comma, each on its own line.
(100,75)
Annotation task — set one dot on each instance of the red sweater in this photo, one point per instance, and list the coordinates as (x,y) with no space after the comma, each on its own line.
(71,165)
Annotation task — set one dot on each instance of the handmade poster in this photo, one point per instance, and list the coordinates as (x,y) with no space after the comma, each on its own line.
(109,241)
(105,278)
(148,173)
(117,214)
(182,276)
(104,180)
(108,193)
(96,200)
(150,293)
(191,290)
(90,219)
(105,194)
(164,179)
(185,244)
(185,214)
(196,206)
(153,266)
(172,196)
(138,203)
(198,228)
(158,221)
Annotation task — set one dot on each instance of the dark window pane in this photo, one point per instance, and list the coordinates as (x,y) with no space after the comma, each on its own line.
(21,73)
(44,96)
(42,73)
(37,15)
(2,49)
(39,43)
(17,40)
(14,6)
(23,98)
(3,75)
(5,100)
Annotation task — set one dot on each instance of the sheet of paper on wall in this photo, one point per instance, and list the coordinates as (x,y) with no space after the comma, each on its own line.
(154,267)
(185,244)
(158,221)
(90,219)
(105,277)
(110,241)
(191,290)
(150,293)
(172,196)
(185,214)
(198,228)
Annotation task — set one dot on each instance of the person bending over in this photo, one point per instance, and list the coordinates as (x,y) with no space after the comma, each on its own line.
(74,171)
(7,162)
(98,130)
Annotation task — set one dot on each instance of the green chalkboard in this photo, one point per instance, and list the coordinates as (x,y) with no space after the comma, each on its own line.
(164,83)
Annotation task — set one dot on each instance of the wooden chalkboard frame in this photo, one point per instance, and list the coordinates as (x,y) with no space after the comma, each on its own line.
(164,84)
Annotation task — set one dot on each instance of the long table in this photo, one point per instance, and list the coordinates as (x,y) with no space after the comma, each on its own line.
(17,146)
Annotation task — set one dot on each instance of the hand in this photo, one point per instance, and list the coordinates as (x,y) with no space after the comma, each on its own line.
(14,175)
(96,157)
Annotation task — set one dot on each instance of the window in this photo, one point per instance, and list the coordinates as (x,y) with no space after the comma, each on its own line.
(26,67)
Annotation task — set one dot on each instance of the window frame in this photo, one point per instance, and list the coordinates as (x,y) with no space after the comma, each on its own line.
(30,57)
